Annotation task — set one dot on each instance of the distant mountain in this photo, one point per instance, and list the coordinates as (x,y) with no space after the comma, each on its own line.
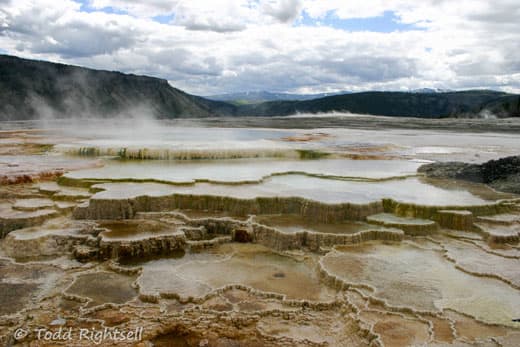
(29,88)
(430,90)
(428,105)
(263,96)
(255,97)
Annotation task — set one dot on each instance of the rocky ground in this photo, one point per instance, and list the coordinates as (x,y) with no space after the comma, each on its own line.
(83,261)
(209,280)
(501,174)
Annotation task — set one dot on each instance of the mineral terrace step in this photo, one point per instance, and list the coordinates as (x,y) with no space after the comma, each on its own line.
(33,204)
(503,219)
(497,233)
(411,226)
(11,219)
(455,219)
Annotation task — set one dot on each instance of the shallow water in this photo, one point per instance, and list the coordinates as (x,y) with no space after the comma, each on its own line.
(139,230)
(413,190)
(251,265)
(404,275)
(293,223)
(103,287)
(245,170)
(417,143)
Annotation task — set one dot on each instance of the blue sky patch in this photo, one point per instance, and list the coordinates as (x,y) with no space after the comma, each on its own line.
(86,7)
(164,19)
(387,23)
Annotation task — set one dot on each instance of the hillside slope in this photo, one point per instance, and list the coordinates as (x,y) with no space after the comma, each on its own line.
(506,106)
(29,88)
(428,105)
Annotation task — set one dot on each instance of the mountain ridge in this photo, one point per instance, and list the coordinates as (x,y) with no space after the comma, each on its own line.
(255,97)
(31,89)
(29,86)
(404,104)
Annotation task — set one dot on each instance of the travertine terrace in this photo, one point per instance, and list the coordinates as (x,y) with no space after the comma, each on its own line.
(205,236)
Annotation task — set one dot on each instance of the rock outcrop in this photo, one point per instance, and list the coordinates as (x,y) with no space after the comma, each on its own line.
(502,174)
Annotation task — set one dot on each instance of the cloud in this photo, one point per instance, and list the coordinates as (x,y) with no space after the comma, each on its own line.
(284,11)
(138,8)
(229,46)
(219,16)
(64,31)
(348,9)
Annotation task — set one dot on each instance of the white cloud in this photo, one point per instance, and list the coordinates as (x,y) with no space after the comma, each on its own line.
(283,10)
(226,46)
(348,9)
(138,8)
(219,16)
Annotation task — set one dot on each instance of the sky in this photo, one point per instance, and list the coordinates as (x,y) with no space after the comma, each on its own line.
(297,46)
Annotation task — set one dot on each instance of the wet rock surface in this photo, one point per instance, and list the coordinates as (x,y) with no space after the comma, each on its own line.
(191,277)
(189,265)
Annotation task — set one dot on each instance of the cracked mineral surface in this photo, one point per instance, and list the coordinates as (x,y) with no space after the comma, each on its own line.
(207,236)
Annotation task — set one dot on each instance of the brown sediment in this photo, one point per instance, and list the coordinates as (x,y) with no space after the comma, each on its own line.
(15,296)
(472,329)
(23,142)
(364,156)
(306,137)
(35,168)
(395,330)
(442,329)
(31,178)
(103,287)
(130,153)
(251,265)
(46,240)
(196,214)
(24,148)
(153,245)
(24,285)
